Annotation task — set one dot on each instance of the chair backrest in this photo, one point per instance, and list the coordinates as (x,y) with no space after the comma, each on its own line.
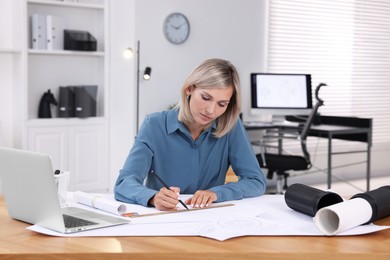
(309,121)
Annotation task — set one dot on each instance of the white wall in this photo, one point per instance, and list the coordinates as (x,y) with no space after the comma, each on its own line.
(122,84)
(228,29)
(9,67)
(6,97)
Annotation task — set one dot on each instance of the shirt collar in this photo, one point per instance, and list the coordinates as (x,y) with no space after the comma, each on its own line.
(172,121)
(174,124)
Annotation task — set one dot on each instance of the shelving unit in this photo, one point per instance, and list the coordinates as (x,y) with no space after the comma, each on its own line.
(79,145)
(76,144)
(49,69)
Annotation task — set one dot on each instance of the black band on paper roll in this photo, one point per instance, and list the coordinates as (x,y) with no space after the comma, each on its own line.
(379,200)
(309,200)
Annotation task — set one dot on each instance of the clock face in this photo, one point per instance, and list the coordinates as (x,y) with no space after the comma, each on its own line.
(176,28)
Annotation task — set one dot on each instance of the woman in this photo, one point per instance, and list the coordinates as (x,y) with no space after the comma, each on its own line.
(192,146)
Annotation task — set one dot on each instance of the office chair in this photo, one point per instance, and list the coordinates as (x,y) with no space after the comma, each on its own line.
(280,162)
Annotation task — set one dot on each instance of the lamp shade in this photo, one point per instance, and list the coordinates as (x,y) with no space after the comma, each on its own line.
(147,73)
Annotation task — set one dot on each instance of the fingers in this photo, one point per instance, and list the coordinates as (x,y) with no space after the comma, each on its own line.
(202,198)
(166,199)
(175,190)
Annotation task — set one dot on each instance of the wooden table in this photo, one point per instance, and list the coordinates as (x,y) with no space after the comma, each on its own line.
(18,243)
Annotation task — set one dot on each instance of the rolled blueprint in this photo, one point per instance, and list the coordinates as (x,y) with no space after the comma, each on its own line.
(379,200)
(309,200)
(343,216)
(362,208)
(98,202)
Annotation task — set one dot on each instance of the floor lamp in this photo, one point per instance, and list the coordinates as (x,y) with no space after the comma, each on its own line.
(146,76)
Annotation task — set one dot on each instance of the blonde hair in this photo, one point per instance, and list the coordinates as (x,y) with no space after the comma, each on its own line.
(211,74)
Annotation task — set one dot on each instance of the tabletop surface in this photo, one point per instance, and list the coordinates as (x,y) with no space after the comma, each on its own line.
(16,241)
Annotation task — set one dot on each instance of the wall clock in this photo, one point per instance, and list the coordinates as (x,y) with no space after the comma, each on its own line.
(176,28)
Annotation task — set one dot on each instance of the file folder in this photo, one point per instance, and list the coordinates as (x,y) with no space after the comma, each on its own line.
(55,26)
(38,31)
(85,101)
(66,102)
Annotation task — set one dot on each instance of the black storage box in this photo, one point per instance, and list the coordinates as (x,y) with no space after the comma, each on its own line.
(85,101)
(66,102)
(78,101)
(79,41)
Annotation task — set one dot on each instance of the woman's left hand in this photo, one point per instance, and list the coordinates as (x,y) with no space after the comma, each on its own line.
(201,199)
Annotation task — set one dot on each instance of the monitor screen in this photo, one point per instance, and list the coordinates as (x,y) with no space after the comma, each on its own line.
(280,94)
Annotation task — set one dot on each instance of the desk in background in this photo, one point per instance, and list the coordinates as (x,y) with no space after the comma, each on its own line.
(18,243)
(332,127)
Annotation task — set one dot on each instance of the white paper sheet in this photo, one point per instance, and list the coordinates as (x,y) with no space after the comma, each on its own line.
(266,215)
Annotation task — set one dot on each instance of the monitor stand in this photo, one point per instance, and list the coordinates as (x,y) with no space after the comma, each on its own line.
(277,119)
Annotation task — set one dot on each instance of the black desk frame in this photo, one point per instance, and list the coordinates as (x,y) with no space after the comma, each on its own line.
(331,127)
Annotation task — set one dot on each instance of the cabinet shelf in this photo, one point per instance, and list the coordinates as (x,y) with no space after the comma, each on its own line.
(10,50)
(66,53)
(47,122)
(66,4)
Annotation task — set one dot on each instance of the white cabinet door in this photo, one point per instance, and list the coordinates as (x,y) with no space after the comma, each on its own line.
(88,158)
(52,141)
(82,150)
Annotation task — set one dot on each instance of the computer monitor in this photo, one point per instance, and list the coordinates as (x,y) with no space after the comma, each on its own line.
(280,94)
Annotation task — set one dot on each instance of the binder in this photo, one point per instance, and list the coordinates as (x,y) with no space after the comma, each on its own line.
(38,31)
(55,26)
(85,101)
(66,102)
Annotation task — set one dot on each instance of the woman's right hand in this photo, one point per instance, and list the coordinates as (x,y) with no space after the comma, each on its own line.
(166,199)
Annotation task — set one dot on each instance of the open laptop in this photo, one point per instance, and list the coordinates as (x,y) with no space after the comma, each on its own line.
(31,195)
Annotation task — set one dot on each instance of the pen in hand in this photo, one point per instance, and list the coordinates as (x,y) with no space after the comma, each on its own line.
(166,186)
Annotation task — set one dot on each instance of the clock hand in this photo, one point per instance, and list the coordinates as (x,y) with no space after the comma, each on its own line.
(175,27)
(181,25)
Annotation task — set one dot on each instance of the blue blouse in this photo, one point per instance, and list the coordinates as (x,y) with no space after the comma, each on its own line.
(165,146)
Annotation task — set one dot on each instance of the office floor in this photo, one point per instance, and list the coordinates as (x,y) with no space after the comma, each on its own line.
(344,188)
(355,186)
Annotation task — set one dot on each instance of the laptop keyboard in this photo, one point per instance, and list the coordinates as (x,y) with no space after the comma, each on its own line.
(71,222)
